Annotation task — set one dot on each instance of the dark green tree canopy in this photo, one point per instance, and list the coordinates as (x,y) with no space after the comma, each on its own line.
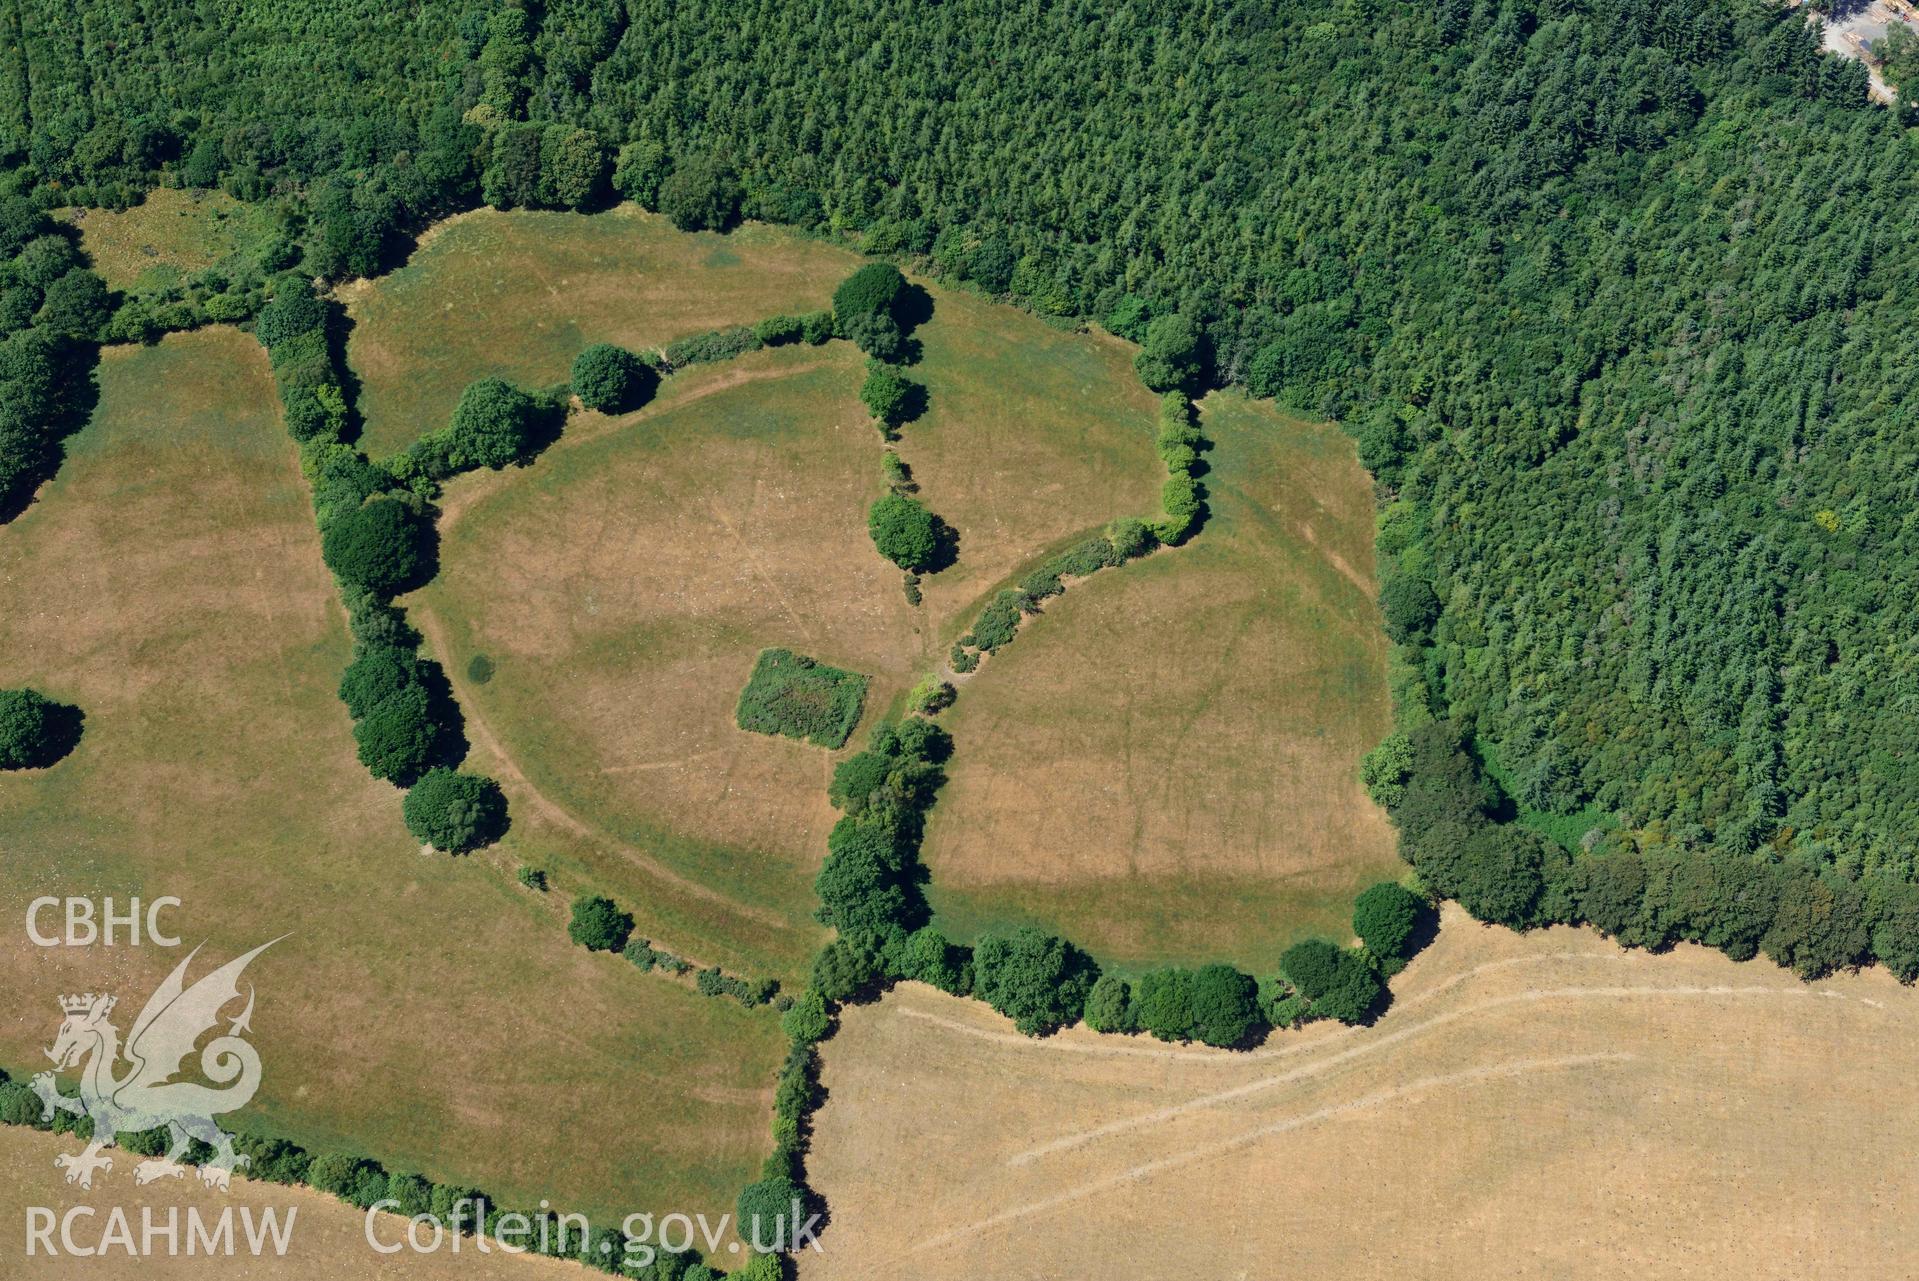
(1387,918)
(1410,606)
(1110,1007)
(610,379)
(384,546)
(766,1213)
(904,531)
(35,731)
(701,194)
(599,925)
(294,310)
(1225,1005)
(1173,355)
(890,396)
(870,291)
(455,812)
(1038,981)
(1337,983)
(495,424)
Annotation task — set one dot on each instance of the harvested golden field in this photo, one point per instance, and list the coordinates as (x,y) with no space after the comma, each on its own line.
(327,1238)
(1546,1105)
(517,295)
(1164,766)
(424,1011)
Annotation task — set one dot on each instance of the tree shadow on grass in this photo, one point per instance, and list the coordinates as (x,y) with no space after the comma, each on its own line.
(78,396)
(339,328)
(946,547)
(65,726)
(912,307)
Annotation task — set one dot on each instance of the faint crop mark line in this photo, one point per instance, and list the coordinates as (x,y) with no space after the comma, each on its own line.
(482,735)
(1161,1115)
(753,563)
(1138,1173)
(676,762)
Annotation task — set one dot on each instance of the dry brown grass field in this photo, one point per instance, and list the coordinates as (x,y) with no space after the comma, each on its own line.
(1164,766)
(623,584)
(1546,1105)
(518,295)
(1032,437)
(622,588)
(425,1011)
(327,1241)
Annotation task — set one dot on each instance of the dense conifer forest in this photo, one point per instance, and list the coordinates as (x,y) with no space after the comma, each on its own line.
(1608,291)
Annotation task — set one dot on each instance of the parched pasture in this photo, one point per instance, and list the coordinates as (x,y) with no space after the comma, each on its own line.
(1546,1105)
(422,1011)
(517,295)
(1032,438)
(1164,765)
(621,586)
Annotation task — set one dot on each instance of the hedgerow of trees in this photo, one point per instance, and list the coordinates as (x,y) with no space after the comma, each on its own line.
(364,1182)
(378,538)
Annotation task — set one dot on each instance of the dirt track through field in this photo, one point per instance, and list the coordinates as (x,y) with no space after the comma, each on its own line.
(1543,1105)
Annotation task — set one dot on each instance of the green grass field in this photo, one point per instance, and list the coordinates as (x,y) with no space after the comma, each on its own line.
(424,1010)
(168,234)
(1164,765)
(518,295)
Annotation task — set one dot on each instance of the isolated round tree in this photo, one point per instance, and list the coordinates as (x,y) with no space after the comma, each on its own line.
(381,546)
(904,531)
(493,424)
(32,733)
(455,812)
(606,377)
(599,925)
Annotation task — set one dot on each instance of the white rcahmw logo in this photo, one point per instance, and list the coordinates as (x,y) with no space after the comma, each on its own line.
(142,1097)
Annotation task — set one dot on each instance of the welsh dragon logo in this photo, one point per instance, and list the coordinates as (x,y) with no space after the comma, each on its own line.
(143,1096)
